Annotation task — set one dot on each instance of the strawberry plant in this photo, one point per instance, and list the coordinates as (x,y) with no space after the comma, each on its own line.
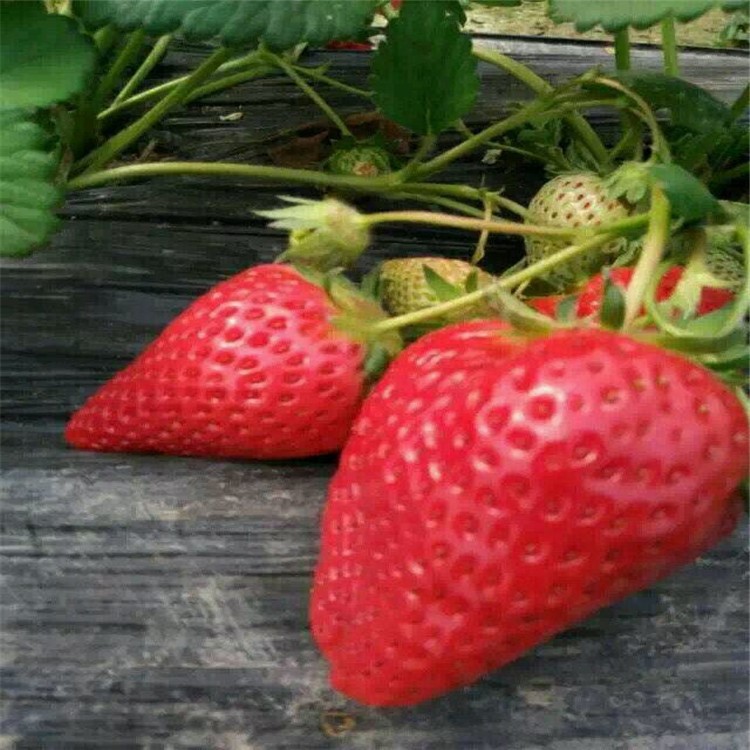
(511,472)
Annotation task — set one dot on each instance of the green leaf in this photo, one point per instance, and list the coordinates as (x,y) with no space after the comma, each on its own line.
(613,15)
(424,74)
(44,59)
(472,281)
(688,196)
(689,106)
(280,24)
(442,289)
(28,163)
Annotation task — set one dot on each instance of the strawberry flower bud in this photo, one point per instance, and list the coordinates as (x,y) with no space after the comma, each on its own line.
(323,234)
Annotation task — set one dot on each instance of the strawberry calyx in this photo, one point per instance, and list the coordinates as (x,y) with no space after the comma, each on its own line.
(357,312)
(323,234)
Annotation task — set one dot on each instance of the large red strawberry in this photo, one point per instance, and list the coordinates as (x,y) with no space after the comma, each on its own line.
(590,297)
(252,369)
(494,492)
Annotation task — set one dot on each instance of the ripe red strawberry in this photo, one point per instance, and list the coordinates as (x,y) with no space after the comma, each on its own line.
(493,493)
(252,369)
(591,295)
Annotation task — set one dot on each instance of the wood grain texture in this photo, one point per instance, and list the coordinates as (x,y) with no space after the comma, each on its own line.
(154,602)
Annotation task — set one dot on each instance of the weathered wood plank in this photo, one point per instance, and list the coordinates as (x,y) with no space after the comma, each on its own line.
(161,603)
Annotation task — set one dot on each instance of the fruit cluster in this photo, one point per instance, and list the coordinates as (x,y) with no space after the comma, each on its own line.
(496,484)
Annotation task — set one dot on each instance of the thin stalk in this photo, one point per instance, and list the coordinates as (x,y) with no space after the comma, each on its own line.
(427,144)
(483,237)
(322,78)
(438,200)
(228,81)
(669,46)
(310,92)
(148,64)
(383,183)
(465,192)
(584,132)
(164,88)
(478,139)
(129,52)
(622,49)
(644,112)
(462,222)
(654,245)
(119,142)
(508,282)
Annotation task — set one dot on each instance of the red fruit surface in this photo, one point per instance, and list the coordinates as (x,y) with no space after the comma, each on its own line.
(252,369)
(591,295)
(546,305)
(494,493)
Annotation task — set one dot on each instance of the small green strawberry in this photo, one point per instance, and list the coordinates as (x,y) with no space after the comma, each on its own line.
(409,284)
(361,160)
(574,201)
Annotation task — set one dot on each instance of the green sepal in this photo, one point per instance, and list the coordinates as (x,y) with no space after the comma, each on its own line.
(612,314)
(443,290)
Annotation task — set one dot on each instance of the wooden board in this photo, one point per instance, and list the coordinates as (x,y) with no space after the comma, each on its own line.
(161,603)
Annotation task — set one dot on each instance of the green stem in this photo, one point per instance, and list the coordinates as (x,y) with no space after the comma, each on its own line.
(470,144)
(119,142)
(669,46)
(226,82)
(654,245)
(584,132)
(129,52)
(622,49)
(323,105)
(427,144)
(462,222)
(164,88)
(508,282)
(464,192)
(383,183)
(322,78)
(438,200)
(149,63)
(644,112)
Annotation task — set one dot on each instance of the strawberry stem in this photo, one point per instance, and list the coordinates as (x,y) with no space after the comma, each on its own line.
(149,63)
(464,222)
(306,88)
(654,244)
(585,133)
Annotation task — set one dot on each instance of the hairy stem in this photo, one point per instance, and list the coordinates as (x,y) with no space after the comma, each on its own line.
(622,49)
(584,132)
(464,192)
(669,46)
(129,52)
(382,183)
(426,145)
(463,222)
(322,104)
(478,139)
(316,75)
(149,63)
(162,89)
(654,245)
(119,142)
